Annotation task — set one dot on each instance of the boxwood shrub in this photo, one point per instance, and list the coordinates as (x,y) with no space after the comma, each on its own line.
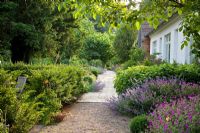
(138,74)
(138,124)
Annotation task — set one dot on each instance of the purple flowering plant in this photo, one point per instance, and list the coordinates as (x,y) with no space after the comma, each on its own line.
(179,116)
(165,89)
(143,98)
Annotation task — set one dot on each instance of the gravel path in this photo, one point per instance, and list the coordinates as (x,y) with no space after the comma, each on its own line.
(91,114)
(105,89)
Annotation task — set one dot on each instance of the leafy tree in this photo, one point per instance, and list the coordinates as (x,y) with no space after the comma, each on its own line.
(35,28)
(97,46)
(71,47)
(152,11)
(124,41)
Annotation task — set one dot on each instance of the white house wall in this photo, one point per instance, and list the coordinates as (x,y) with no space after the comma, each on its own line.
(176,53)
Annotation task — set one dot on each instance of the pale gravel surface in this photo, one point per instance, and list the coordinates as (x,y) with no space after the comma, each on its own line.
(90,118)
(108,91)
(91,114)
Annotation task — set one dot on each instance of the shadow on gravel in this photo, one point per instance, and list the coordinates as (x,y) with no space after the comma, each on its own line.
(98,86)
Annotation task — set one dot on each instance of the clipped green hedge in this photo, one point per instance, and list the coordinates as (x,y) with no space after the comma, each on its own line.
(138,74)
(47,88)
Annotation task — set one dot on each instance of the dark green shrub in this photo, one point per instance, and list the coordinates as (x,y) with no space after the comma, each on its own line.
(97,47)
(137,55)
(78,61)
(55,86)
(96,70)
(123,42)
(96,63)
(128,64)
(138,124)
(136,75)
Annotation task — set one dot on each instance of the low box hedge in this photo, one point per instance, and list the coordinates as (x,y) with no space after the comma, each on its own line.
(138,74)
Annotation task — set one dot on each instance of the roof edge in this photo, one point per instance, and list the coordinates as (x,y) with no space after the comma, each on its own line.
(163,23)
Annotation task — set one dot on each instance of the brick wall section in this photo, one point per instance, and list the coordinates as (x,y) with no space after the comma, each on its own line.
(146,45)
(143,32)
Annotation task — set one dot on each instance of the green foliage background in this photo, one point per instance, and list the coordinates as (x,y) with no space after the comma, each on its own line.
(124,41)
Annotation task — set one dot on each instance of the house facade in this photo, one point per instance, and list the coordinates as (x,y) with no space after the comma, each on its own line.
(166,40)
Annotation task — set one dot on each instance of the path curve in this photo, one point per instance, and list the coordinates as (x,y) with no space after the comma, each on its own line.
(91,114)
(105,89)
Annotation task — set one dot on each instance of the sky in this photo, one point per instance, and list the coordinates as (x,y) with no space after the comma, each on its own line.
(137,1)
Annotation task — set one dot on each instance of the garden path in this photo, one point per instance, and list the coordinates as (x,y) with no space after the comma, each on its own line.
(104,89)
(91,114)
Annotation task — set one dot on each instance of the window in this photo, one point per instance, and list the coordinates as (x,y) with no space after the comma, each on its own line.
(160,48)
(154,50)
(167,47)
(176,45)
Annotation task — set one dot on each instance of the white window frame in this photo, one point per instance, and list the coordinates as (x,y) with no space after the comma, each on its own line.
(168,47)
(154,48)
(176,43)
(160,47)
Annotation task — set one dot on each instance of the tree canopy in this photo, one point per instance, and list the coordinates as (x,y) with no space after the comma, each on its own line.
(47,28)
(124,42)
(34,27)
(151,11)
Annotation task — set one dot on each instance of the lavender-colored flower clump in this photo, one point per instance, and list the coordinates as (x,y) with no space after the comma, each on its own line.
(143,98)
(179,116)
